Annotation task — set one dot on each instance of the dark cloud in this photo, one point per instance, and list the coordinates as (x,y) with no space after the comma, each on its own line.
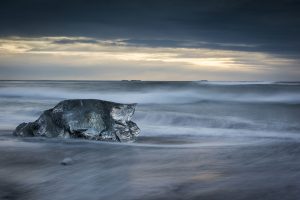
(74,41)
(190,44)
(248,25)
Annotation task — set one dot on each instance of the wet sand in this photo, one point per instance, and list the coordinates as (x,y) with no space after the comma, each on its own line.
(30,169)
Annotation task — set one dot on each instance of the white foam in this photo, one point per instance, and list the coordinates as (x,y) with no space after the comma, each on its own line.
(220,132)
(158,96)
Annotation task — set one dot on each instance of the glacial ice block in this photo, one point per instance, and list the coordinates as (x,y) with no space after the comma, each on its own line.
(84,118)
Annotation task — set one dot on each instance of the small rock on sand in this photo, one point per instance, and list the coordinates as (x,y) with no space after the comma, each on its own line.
(66,161)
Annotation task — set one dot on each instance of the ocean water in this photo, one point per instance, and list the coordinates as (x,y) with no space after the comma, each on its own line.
(198,140)
(227,109)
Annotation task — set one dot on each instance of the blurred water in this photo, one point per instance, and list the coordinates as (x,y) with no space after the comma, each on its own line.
(199,140)
(247,109)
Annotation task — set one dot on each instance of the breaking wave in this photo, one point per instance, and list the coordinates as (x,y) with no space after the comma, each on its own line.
(158,96)
(264,109)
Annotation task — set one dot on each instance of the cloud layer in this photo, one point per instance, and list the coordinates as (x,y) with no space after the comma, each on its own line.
(90,58)
(170,40)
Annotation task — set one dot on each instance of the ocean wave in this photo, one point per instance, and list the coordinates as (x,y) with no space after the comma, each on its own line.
(191,120)
(236,82)
(178,108)
(167,96)
(233,83)
(215,132)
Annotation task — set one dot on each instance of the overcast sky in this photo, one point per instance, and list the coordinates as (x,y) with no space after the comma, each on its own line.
(150,40)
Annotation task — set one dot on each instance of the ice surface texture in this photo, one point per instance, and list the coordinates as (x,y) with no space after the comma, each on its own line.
(84,118)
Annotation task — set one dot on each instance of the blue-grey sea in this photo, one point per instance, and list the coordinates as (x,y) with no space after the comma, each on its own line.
(198,140)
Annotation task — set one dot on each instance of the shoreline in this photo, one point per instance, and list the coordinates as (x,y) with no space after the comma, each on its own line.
(31,169)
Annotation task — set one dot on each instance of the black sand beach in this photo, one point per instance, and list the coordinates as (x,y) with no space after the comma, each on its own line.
(31,169)
(223,141)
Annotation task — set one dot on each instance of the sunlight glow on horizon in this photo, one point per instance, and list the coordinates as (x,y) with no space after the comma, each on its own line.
(74,52)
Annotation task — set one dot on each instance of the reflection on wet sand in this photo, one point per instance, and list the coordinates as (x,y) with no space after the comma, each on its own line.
(30,169)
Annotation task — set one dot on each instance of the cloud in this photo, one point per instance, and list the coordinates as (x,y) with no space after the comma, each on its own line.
(270,26)
(190,44)
(72,41)
(45,58)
